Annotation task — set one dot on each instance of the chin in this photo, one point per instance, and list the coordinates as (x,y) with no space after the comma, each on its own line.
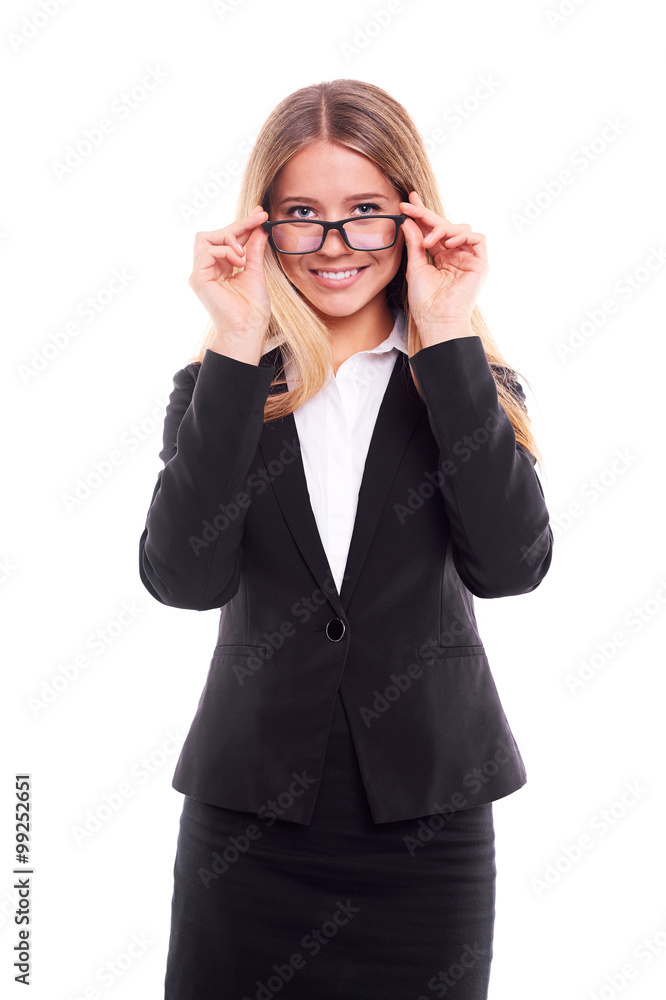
(339,309)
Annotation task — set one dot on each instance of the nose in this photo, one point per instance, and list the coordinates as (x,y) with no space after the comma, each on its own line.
(333,249)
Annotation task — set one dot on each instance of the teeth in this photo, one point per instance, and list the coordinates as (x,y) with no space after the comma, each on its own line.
(337,275)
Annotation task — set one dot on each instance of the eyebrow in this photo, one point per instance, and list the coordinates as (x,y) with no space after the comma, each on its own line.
(351,197)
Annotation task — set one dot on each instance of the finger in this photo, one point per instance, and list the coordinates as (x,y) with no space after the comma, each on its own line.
(208,241)
(254,251)
(419,211)
(451,235)
(460,250)
(475,242)
(446,232)
(251,224)
(433,226)
(247,222)
(238,229)
(212,255)
(466,236)
(235,233)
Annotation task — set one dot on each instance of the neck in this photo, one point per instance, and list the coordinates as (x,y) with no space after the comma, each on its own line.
(361,331)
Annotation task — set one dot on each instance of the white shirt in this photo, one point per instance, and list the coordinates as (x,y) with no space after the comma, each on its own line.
(334,428)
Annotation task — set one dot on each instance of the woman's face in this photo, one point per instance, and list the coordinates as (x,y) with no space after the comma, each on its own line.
(328,182)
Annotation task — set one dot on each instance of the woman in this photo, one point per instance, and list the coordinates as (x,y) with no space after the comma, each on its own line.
(348,461)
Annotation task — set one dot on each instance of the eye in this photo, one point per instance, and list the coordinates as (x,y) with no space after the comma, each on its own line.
(305,208)
(298,208)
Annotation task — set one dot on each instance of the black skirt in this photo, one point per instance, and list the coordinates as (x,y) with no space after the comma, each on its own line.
(342,908)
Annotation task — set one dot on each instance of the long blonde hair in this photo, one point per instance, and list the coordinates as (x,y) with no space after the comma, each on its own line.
(366,119)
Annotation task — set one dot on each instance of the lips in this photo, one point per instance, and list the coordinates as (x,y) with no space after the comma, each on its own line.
(336,270)
(353,275)
(337,275)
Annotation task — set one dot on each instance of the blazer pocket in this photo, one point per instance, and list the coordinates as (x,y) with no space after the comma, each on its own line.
(427,652)
(263,652)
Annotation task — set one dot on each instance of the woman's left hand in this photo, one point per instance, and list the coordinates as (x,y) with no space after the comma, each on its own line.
(442,296)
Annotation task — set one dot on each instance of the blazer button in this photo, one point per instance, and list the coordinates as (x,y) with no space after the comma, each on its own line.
(335,629)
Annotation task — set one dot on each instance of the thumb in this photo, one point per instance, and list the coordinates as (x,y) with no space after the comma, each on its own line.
(254,251)
(416,253)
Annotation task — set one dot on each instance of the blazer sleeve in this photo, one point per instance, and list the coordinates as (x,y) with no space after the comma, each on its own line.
(189,549)
(501,536)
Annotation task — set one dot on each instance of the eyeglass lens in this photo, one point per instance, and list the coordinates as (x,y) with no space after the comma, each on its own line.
(306,237)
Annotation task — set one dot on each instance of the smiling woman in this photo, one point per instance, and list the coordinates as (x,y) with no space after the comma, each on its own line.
(348,462)
(335,136)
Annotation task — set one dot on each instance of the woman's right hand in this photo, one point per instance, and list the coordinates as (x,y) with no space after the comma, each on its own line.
(238,304)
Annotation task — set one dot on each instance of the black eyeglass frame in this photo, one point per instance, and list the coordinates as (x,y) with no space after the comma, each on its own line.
(268,226)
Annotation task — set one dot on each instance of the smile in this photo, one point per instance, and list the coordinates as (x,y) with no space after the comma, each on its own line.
(342,278)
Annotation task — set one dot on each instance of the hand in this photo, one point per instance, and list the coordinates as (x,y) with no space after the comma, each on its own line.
(442,295)
(238,304)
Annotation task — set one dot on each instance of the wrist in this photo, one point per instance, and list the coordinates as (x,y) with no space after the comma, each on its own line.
(240,345)
(446,330)
(237,349)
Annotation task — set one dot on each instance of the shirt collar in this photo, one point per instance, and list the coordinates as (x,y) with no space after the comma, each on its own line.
(396,338)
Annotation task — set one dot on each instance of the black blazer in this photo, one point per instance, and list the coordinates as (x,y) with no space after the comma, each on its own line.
(450,507)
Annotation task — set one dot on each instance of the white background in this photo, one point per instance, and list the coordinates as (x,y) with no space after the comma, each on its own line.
(67,573)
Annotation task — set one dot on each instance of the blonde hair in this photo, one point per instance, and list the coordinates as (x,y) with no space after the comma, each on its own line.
(366,119)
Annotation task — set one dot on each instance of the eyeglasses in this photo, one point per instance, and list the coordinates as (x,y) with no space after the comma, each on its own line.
(367,232)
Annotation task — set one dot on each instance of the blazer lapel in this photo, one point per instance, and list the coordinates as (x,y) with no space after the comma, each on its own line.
(400,407)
